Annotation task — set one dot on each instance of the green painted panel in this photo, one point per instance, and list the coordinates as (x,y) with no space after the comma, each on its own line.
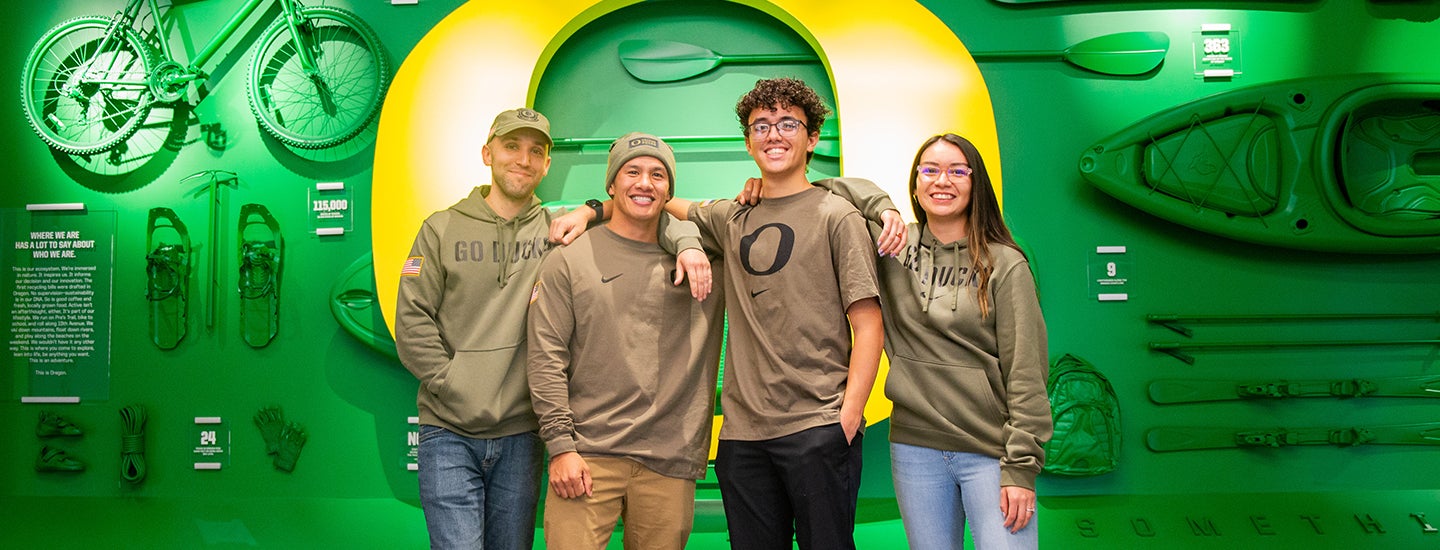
(587,93)
(351,488)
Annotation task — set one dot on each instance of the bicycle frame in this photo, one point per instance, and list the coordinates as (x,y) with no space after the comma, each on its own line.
(289,9)
(316,77)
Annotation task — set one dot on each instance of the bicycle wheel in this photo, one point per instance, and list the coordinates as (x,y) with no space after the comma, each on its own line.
(83,93)
(337,101)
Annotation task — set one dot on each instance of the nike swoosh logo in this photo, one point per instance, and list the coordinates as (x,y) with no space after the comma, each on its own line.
(604,280)
(757,293)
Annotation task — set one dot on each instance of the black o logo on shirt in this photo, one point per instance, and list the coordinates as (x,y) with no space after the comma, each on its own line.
(783,248)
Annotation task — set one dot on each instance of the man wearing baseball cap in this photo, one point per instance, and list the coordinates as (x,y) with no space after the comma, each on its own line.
(622,369)
(460,329)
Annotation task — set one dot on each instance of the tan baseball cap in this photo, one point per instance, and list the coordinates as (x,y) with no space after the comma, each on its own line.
(515,119)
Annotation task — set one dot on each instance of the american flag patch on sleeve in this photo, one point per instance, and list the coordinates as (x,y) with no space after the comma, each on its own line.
(412,266)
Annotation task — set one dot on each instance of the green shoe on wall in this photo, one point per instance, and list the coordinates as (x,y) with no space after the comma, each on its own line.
(56,460)
(54,425)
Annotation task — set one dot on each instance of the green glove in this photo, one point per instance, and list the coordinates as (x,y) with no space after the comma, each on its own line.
(291,440)
(271,421)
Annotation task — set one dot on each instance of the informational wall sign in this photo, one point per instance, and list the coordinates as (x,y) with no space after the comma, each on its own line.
(412,444)
(58,269)
(1217,51)
(330,208)
(1110,274)
(210,444)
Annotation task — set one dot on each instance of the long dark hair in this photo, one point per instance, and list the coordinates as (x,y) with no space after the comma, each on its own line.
(984,225)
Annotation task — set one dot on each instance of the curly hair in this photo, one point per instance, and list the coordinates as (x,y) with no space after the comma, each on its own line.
(783,92)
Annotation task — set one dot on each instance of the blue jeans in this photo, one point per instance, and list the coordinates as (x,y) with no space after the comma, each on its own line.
(939,490)
(479,493)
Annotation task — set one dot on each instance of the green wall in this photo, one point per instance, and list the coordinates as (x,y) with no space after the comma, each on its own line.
(351,487)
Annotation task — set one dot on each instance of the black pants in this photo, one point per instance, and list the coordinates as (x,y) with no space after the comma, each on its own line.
(803,485)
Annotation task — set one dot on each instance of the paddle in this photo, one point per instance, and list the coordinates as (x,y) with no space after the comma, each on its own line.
(829,145)
(667,61)
(1119,54)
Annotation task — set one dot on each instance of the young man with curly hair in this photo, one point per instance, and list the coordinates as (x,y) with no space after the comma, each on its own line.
(800,278)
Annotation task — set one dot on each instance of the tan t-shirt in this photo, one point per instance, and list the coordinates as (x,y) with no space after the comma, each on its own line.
(622,362)
(793,265)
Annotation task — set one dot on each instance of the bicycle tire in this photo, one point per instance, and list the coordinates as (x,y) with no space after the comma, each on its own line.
(82,119)
(352,75)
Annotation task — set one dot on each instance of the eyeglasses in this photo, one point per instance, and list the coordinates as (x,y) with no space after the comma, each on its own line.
(932,173)
(788,127)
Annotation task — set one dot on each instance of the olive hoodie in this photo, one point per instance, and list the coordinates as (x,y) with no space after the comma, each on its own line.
(460,314)
(961,382)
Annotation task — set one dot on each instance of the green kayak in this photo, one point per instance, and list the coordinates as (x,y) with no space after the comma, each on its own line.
(1340,164)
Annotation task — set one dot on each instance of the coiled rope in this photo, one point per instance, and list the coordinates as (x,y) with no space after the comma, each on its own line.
(132,443)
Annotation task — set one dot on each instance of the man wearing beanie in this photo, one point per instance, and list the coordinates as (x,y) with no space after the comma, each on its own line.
(460,329)
(622,369)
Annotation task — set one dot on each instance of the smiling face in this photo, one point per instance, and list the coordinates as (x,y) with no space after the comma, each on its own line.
(640,189)
(518,161)
(776,154)
(944,198)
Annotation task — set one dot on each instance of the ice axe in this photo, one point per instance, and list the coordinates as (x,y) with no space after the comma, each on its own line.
(217,179)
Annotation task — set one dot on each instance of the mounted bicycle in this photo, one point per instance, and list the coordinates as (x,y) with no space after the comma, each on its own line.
(316,79)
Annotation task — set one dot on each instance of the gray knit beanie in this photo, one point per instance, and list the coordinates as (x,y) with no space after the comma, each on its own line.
(638,144)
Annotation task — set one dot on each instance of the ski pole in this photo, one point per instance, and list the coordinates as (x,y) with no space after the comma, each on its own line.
(1178,349)
(1176,322)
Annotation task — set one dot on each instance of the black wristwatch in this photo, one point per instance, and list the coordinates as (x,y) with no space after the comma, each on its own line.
(599,210)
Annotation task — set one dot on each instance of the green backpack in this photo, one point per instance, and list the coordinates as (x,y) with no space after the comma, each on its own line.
(1087,420)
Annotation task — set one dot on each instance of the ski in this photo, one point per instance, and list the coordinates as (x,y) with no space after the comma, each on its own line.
(1167,439)
(1195,391)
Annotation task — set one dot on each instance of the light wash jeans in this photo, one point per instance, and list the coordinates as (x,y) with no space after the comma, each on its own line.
(938,491)
(479,493)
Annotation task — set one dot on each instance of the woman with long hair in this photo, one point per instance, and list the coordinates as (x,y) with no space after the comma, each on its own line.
(968,360)
(967,349)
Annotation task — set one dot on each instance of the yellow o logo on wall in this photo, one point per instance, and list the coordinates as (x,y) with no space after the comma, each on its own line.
(899,75)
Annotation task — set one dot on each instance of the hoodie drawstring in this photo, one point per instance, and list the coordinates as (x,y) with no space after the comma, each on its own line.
(929,273)
(960,286)
(506,233)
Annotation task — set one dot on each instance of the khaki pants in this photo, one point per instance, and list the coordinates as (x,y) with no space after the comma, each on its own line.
(659,511)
